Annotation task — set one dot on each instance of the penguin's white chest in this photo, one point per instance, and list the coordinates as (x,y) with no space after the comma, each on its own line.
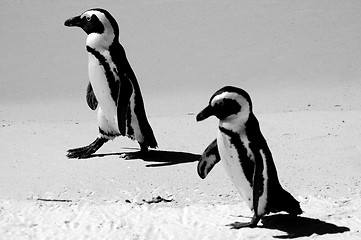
(107,113)
(232,164)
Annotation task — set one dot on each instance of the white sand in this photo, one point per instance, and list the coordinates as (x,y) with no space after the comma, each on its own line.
(116,220)
(300,62)
(315,152)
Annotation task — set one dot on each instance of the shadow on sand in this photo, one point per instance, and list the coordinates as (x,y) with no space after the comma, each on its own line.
(296,226)
(167,158)
(159,158)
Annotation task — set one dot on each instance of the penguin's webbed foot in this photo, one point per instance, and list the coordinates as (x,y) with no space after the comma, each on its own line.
(251,224)
(133,155)
(87,151)
(136,155)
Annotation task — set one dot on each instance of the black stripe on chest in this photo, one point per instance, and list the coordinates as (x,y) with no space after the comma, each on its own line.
(246,163)
(113,84)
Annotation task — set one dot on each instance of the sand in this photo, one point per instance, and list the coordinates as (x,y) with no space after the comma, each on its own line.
(298,61)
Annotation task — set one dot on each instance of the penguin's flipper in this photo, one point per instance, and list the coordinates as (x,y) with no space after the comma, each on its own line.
(124,94)
(209,158)
(90,97)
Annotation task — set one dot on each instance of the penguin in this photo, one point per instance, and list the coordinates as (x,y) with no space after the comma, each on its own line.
(113,89)
(245,155)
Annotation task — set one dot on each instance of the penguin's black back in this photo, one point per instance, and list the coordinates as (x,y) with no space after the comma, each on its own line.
(278,198)
(119,58)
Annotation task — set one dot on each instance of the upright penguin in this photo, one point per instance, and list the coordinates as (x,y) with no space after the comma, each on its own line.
(246,157)
(113,87)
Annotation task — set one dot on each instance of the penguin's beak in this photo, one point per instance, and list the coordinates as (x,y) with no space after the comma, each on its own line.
(74,22)
(205,113)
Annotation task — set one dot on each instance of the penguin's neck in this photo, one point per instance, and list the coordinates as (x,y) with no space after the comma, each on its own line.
(232,126)
(235,123)
(100,42)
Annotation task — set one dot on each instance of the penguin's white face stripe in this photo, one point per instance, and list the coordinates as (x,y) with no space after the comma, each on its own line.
(230,95)
(262,201)
(238,118)
(100,16)
(224,95)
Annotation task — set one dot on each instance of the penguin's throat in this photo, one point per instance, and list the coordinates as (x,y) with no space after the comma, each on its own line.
(100,41)
(235,125)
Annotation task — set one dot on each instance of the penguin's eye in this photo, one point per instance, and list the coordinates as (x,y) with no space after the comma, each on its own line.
(88,18)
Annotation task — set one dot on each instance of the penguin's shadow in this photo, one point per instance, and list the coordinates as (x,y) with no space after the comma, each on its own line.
(297,226)
(160,158)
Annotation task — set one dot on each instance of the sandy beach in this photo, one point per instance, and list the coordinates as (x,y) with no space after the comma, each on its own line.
(299,61)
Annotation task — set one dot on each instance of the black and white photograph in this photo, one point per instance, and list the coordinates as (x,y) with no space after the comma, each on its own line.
(180,119)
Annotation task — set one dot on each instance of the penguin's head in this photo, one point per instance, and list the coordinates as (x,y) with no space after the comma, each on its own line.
(228,103)
(95,21)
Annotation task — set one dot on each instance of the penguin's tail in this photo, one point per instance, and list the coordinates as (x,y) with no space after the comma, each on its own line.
(284,201)
(148,134)
(153,142)
(150,138)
